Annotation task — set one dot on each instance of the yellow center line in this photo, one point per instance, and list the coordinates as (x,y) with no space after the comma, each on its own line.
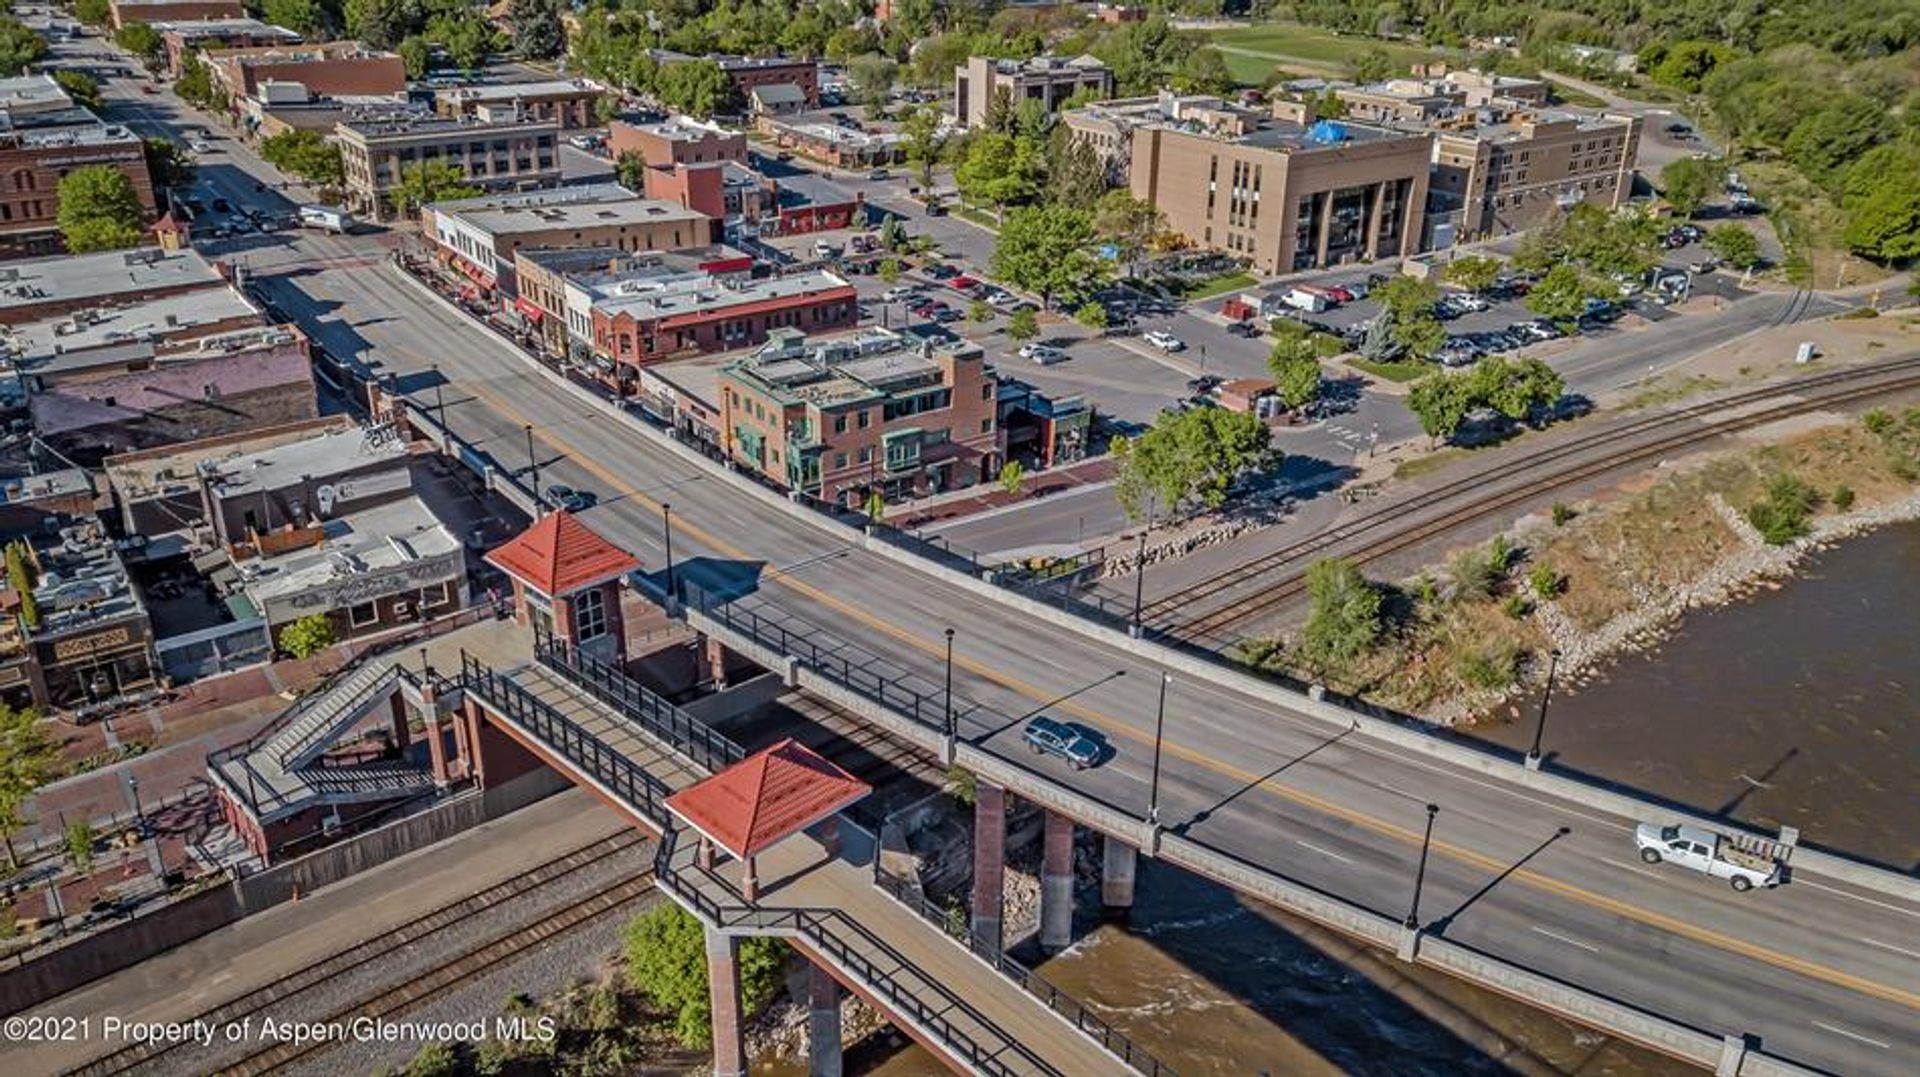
(1107,723)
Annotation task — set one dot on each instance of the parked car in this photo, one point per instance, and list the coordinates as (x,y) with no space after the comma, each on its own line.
(1044,354)
(570,499)
(1165,341)
(945,315)
(940,271)
(878,174)
(1704,265)
(898,293)
(1001,299)
(1243,329)
(1340,293)
(1205,383)
(1044,736)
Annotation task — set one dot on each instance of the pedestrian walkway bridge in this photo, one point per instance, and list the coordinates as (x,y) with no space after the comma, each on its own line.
(635,749)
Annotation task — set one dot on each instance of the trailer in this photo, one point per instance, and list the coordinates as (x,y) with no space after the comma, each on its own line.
(326,217)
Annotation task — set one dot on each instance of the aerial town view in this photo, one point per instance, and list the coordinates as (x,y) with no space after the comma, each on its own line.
(1228,538)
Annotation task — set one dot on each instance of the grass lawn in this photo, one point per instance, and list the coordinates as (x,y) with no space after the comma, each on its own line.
(978,216)
(1567,95)
(1220,285)
(1252,52)
(1392,371)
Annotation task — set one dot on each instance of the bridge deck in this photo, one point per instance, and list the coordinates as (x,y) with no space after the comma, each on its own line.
(830,906)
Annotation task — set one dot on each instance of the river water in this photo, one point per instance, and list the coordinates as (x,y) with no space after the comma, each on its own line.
(1798,705)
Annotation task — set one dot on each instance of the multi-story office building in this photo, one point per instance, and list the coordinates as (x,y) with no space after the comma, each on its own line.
(842,418)
(679,141)
(1107,126)
(479,236)
(1049,80)
(43,136)
(567,102)
(1284,191)
(495,153)
(183,37)
(1509,174)
(330,69)
(651,317)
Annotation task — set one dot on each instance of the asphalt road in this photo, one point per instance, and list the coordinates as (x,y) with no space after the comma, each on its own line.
(1821,974)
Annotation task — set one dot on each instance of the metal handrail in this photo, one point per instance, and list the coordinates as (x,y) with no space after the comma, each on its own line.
(703,745)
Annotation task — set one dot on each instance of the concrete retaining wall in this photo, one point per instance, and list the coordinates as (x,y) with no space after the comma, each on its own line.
(737,700)
(123,945)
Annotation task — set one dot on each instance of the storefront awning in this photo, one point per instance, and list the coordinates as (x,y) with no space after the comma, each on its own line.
(480,276)
(528,310)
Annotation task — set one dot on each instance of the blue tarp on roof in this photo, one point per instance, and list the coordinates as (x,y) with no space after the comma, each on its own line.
(1327,131)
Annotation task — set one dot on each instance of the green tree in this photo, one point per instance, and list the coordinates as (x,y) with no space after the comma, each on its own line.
(429,182)
(1560,296)
(99,210)
(893,235)
(167,163)
(1735,245)
(1825,143)
(141,40)
(697,87)
(19,47)
(1784,514)
(415,55)
(1686,64)
(1687,183)
(1475,272)
(81,87)
(872,77)
(1203,70)
(195,85)
(306,154)
(1093,316)
(1514,387)
(380,23)
(889,271)
(301,16)
(666,958)
(307,636)
(1012,477)
(1049,250)
(1023,325)
(1077,175)
(1372,64)
(536,29)
(93,12)
(631,170)
(979,311)
(79,842)
(1343,615)
(1128,224)
(467,37)
(1001,169)
(1191,459)
(1886,226)
(1407,305)
(921,131)
(1295,368)
(27,758)
(1441,402)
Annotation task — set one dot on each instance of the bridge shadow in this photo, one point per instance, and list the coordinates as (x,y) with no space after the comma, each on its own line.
(1440,926)
(1202,816)
(1764,781)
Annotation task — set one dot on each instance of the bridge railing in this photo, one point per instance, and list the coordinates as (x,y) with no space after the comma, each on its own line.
(620,775)
(704,746)
(1075,1012)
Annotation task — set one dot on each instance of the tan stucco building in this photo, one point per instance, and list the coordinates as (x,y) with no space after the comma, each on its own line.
(1490,179)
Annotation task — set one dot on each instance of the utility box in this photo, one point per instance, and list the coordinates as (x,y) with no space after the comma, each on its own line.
(1805,353)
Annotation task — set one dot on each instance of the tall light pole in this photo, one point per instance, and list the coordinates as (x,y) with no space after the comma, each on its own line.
(1540,724)
(1139,582)
(533,464)
(949,707)
(139,814)
(666,518)
(1420,876)
(1159,726)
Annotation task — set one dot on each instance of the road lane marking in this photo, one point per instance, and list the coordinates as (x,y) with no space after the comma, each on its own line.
(1402,834)
(1555,935)
(1853,1035)
(1902,910)
(1890,946)
(1324,852)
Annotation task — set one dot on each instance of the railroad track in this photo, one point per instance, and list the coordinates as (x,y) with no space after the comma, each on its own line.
(452,974)
(290,986)
(1280,575)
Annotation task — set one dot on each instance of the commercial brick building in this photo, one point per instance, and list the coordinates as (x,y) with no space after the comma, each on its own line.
(181,38)
(480,240)
(815,135)
(1285,191)
(1049,80)
(1499,177)
(123,12)
(543,277)
(872,412)
(329,69)
(567,102)
(1107,126)
(749,73)
(43,136)
(43,289)
(679,141)
(506,153)
(90,640)
(648,319)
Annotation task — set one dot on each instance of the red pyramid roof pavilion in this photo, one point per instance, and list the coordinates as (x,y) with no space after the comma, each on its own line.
(560,555)
(766,797)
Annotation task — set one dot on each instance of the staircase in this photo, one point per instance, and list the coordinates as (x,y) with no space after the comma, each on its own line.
(321,719)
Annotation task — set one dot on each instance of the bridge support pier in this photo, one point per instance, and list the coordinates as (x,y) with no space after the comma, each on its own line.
(989,864)
(823,1024)
(1733,1055)
(1118,863)
(1056,883)
(723,979)
(714,653)
(402,733)
(435,734)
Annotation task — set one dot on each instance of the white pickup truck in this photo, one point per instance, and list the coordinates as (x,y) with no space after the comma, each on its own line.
(1744,862)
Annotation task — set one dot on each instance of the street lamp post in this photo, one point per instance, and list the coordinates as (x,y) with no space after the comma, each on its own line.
(1159,726)
(1540,724)
(1139,582)
(139,813)
(533,465)
(949,704)
(1420,876)
(666,519)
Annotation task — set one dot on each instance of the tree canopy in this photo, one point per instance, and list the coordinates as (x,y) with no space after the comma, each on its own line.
(99,210)
(27,758)
(1049,250)
(1687,183)
(306,154)
(1190,460)
(665,951)
(429,182)
(1343,615)
(535,28)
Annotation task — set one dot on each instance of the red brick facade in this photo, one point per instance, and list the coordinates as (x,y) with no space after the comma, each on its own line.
(632,342)
(29,184)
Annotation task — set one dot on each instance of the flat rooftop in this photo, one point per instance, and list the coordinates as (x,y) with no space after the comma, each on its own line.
(750,63)
(827,371)
(1048,65)
(511,220)
(697,293)
(543,196)
(82,581)
(1319,135)
(173,469)
(513,91)
(685,129)
(372,540)
(298,54)
(313,457)
(55,344)
(588,265)
(78,278)
(423,125)
(807,188)
(192,29)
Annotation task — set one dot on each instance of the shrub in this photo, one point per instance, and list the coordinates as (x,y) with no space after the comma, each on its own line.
(433,1060)
(666,958)
(962,783)
(1474,574)
(1843,497)
(1878,421)
(1562,512)
(1545,581)
(1782,515)
(307,636)
(1487,670)
(80,844)
(1517,606)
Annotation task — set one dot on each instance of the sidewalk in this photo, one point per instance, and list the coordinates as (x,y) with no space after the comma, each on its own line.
(987,496)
